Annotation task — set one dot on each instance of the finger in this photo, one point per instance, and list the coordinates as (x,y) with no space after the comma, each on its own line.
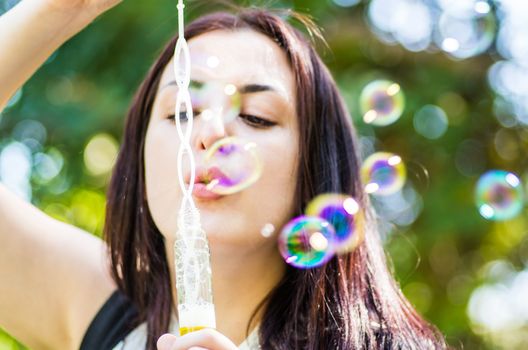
(165,342)
(206,338)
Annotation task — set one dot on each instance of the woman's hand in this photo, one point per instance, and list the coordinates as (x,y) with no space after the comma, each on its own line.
(205,339)
(33,29)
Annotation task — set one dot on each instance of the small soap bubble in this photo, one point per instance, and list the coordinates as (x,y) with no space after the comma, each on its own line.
(307,242)
(233,165)
(267,230)
(383,173)
(212,62)
(381,102)
(342,212)
(499,195)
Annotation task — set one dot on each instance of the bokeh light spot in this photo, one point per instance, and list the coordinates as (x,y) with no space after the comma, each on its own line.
(100,154)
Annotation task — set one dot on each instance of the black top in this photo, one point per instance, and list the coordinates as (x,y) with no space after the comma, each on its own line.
(113,323)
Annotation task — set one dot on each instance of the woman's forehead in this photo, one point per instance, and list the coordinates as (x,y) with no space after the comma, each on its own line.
(237,57)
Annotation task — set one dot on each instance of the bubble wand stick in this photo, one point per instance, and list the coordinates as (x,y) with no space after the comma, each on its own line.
(191,249)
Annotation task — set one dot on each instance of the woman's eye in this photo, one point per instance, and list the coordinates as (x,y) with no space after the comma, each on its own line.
(249,119)
(255,121)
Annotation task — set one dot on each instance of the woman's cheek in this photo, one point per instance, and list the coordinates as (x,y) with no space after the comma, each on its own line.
(278,182)
(162,186)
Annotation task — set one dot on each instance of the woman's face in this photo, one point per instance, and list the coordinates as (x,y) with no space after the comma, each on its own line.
(258,68)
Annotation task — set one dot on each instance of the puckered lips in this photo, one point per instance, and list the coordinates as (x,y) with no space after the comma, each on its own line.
(205,180)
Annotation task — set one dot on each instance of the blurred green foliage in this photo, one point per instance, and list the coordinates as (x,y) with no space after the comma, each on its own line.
(86,87)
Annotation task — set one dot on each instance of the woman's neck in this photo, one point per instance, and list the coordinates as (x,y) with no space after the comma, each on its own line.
(241,280)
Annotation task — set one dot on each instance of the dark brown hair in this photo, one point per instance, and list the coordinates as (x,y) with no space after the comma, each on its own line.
(352,302)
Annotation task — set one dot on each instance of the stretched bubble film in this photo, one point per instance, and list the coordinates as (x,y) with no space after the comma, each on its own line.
(233,165)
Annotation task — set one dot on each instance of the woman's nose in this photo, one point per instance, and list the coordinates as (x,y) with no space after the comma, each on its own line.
(207,130)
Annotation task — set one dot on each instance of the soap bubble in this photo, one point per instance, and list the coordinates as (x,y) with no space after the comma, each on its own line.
(267,230)
(215,99)
(464,36)
(383,173)
(381,102)
(307,242)
(499,195)
(233,165)
(342,212)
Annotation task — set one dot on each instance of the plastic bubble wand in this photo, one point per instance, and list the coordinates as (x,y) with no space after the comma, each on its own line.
(191,249)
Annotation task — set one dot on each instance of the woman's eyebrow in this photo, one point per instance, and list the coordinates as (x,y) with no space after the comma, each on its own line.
(251,88)
(245,89)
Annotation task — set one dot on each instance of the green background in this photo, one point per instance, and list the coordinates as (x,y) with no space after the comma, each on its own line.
(87,85)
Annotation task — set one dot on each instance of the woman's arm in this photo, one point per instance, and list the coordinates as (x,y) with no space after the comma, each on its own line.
(53,277)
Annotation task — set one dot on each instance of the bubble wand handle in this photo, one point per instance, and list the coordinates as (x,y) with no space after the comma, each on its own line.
(191,249)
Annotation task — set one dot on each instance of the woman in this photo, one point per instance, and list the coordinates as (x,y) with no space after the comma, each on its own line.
(292,110)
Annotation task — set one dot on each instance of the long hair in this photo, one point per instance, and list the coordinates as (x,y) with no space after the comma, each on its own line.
(352,302)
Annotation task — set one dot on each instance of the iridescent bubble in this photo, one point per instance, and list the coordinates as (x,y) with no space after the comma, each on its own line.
(381,102)
(343,212)
(216,99)
(383,173)
(307,242)
(499,195)
(233,165)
